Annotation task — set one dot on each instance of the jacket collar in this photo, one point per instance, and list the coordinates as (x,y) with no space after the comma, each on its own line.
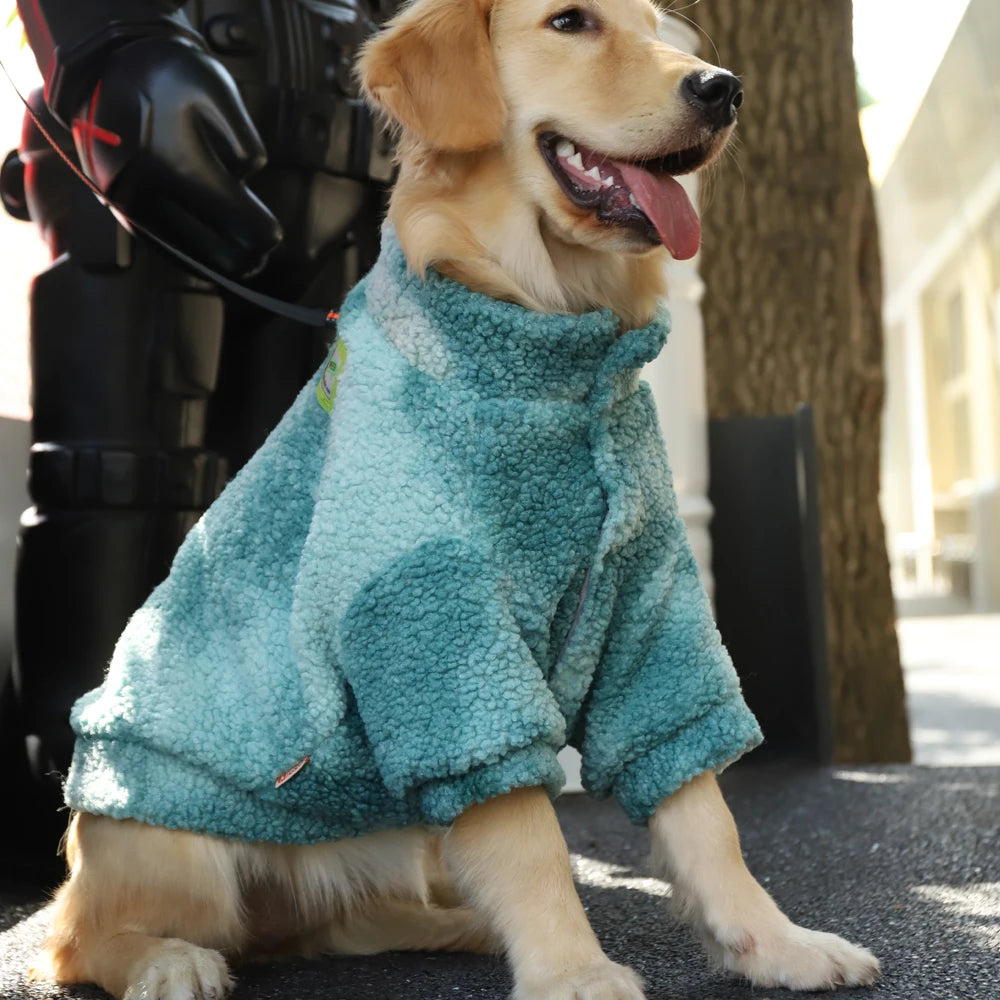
(499,349)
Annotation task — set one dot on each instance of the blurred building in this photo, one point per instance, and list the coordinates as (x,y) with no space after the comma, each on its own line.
(939,209)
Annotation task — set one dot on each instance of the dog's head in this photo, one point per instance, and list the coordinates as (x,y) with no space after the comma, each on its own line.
(588,112)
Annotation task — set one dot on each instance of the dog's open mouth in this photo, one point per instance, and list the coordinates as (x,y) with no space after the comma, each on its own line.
(643,196)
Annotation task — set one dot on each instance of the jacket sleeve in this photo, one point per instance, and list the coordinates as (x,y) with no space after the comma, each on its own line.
(666,703)
(397,589)
(453,703)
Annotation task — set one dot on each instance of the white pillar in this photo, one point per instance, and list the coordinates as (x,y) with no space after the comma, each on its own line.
(677,378)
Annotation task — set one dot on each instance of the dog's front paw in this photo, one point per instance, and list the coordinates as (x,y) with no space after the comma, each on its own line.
(178,970)
(744,932)
(801,959)
(780,953)
(601,981)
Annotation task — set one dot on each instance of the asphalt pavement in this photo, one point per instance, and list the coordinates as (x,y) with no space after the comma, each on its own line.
(903,859)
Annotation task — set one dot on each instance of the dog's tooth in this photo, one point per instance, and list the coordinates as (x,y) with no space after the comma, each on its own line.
(595,173)
(607,181)
(576,160)
(565,148)
(631,198)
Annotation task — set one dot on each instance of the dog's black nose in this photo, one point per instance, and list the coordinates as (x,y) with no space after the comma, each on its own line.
(715,93)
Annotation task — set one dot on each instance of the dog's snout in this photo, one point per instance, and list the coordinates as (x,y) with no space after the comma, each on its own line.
(716,93)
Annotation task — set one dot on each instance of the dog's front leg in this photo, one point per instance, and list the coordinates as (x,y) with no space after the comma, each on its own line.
(697,849)
(509,859)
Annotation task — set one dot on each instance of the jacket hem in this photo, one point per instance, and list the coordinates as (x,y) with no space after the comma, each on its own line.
(137,782)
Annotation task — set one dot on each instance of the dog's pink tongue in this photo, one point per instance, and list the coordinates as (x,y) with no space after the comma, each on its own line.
(668,207)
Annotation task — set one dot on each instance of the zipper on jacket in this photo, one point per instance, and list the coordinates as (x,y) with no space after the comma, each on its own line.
(584,587)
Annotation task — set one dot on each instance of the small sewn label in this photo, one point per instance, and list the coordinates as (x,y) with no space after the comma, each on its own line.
(326,388)
(291,772)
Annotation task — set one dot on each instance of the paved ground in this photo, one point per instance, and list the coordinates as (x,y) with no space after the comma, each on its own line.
(952,667)
(905,860)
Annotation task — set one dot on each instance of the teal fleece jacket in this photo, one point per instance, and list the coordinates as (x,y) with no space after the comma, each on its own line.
(458,551)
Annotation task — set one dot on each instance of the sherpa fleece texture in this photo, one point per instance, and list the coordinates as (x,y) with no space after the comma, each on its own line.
(472,559)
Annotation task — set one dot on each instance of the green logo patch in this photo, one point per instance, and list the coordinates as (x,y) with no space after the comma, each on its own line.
(326,388)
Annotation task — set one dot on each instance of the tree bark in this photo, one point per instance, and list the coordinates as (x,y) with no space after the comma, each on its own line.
(793,314)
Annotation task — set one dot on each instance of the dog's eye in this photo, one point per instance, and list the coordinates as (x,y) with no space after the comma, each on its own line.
(572,20)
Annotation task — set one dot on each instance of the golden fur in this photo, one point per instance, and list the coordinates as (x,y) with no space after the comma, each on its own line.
(145,911)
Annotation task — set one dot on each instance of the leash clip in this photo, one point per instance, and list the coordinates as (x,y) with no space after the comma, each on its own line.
(292,771)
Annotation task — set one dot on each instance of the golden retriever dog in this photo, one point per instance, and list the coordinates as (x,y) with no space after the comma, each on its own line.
(521,124)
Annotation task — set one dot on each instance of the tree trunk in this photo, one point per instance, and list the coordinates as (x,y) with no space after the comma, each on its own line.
(793,314)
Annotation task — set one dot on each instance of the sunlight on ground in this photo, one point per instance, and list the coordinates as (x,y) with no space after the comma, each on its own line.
(604,875)
(953,688)
(948,748)
(978,907)
(870,777)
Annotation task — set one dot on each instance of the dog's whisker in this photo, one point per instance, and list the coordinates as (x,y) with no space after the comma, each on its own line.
(676,12)
(732,154)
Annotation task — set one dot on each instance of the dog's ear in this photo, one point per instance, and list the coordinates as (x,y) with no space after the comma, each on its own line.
(432,71)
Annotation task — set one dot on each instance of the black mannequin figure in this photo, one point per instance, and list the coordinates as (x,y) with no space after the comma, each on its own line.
(232,129)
